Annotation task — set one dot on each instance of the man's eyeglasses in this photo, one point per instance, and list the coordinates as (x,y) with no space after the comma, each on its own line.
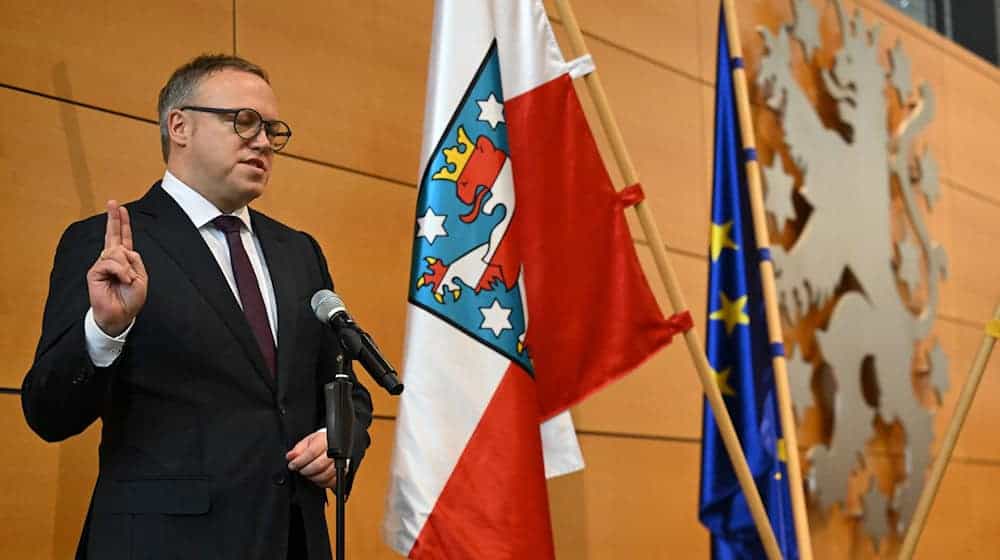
(248,122)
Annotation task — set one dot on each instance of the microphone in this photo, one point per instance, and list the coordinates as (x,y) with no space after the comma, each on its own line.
(330,309)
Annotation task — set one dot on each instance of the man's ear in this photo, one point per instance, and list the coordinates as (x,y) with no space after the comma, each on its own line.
(179,127)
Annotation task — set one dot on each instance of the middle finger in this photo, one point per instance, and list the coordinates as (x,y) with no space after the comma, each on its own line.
(126,228)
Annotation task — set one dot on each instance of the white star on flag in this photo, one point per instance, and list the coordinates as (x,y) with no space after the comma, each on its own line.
(431,226)
(496,318)
(491,111)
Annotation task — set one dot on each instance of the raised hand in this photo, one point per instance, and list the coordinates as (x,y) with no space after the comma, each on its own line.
(117,282)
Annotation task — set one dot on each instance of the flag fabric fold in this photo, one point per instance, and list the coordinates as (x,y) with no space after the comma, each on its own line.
(525,296)
(739,353)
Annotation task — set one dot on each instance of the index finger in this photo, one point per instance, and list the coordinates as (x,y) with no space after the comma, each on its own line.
(113,233)
(126,229)
(306,454)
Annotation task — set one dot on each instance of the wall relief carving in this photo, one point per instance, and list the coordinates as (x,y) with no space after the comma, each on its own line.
(848,192)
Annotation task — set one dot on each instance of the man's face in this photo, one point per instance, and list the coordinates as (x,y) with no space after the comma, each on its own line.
(228,170)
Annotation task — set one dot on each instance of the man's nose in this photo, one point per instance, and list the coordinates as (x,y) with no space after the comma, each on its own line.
(260,140)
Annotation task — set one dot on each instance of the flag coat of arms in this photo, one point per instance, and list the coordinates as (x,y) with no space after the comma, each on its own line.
(525,293)
(739,352)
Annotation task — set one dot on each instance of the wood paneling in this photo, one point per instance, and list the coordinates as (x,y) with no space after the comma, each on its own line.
(635,499)
(972,122)
(665,31)
(708,23)
(350,77)
(114,54)
(965,520)
(28,489)
(77,475)
(978,439)
(967,227)
(58,164)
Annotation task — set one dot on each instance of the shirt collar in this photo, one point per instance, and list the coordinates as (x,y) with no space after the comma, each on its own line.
(197,207)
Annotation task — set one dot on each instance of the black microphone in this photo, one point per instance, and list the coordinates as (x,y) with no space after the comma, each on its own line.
(330,309)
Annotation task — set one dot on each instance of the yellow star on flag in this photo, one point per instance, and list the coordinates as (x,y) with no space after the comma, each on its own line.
(722,380)
(721,239)
(731,312)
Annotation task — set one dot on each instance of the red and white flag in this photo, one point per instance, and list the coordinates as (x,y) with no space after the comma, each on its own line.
(526,294)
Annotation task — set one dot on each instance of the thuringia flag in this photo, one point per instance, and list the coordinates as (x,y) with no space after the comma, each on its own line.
(525,294)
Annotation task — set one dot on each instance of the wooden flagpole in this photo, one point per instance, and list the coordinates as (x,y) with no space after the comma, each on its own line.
(669,277)
(752,166)
(951,436)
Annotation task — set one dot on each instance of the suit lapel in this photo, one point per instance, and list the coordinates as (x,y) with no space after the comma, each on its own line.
(173,231)
(276,254)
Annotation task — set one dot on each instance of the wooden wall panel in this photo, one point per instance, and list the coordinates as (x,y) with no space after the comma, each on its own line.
(350,77)
(965,520)
(637,498)
(28,489)
(978,440)
(77,475)
(58,165)
(664,31)
(115,54)
(967,227)
(973,121)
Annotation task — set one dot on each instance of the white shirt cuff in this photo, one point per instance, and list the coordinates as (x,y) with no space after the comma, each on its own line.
(102,349)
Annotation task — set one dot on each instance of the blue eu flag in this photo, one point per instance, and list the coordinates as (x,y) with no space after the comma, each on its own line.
(739,353)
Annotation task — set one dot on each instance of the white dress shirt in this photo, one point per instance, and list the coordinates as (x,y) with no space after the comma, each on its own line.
(104,349)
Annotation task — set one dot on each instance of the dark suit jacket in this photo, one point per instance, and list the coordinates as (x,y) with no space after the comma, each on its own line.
(195,428)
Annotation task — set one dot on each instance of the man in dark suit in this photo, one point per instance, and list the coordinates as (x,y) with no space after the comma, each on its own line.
(183,322)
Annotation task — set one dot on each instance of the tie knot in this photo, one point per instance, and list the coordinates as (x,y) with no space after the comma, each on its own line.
(227,224)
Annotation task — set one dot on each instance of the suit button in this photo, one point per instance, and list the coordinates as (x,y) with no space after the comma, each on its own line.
(280,479)
(283,411)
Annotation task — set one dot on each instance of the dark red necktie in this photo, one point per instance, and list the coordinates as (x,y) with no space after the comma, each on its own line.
(246,283)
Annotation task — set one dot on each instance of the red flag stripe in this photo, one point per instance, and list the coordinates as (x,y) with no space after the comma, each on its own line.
(495,504)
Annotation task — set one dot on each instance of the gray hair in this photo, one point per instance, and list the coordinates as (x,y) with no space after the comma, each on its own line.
(185,80)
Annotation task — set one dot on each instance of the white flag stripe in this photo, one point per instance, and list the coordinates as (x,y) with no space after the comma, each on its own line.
(442,408)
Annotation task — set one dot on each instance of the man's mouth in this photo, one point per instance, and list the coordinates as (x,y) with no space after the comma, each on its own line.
(256,162)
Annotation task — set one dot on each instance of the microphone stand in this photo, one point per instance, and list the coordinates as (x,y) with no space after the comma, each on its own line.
(339,436)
